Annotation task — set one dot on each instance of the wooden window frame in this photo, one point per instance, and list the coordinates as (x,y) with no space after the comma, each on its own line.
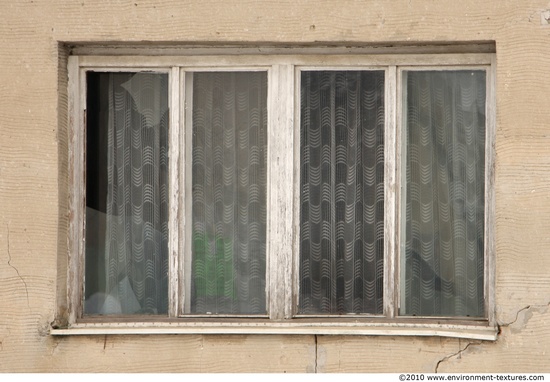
(282,262)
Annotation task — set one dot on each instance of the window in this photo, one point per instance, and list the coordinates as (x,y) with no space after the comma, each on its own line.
(282,191)
(443,221)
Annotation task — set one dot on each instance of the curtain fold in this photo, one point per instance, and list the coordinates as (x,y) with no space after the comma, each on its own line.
(229,176)
(342,192)
(445,184)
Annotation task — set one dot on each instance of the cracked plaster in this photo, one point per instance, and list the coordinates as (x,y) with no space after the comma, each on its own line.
(519,323)
(458,354)
(523,316)
(14,268)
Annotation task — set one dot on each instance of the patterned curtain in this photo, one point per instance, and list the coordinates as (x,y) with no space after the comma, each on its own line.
(442,274)
(342,192)
(229,193)
(134,212)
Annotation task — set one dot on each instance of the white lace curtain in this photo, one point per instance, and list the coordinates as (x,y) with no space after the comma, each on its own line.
(442,271)
(128,167)
(341,188)
(229,175)
(342,192)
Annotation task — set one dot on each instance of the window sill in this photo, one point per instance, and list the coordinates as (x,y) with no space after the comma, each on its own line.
(475,331)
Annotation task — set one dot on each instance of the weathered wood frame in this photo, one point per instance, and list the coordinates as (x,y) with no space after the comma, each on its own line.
(283,196)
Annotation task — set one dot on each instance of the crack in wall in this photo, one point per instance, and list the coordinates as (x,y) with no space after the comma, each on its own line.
(500,325)
(528,308)
(16,270)
(4,338)
(316,355)
(54,347)
(458,354)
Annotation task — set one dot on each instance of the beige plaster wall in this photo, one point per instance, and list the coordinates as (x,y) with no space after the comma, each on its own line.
(34,187)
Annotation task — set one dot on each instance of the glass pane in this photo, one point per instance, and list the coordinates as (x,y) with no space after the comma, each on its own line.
(342,192)
(229,116)
(442,267)
(126,194)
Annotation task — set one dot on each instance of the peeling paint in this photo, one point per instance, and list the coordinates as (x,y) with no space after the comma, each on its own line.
(523,316)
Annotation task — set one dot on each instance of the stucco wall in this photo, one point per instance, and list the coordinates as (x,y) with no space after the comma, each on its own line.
(34,185)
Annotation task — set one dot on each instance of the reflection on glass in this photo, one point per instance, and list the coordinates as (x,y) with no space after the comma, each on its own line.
(442,263)
(341,192)
(126,194)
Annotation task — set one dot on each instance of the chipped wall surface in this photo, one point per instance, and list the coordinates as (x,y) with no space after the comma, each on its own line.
(34,182)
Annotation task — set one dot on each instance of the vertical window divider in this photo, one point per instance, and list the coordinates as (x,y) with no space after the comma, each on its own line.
(186,156)
(297,192)
(400,187)
(174,189)
(391,183)
(280,161)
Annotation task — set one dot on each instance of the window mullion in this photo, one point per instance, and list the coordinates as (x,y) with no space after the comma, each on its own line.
(186,184)
(297,192)
(174,228)
(280,190)
(400,186)
(391,187)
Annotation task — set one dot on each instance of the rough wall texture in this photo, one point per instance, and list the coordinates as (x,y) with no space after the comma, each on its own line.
(33,189)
